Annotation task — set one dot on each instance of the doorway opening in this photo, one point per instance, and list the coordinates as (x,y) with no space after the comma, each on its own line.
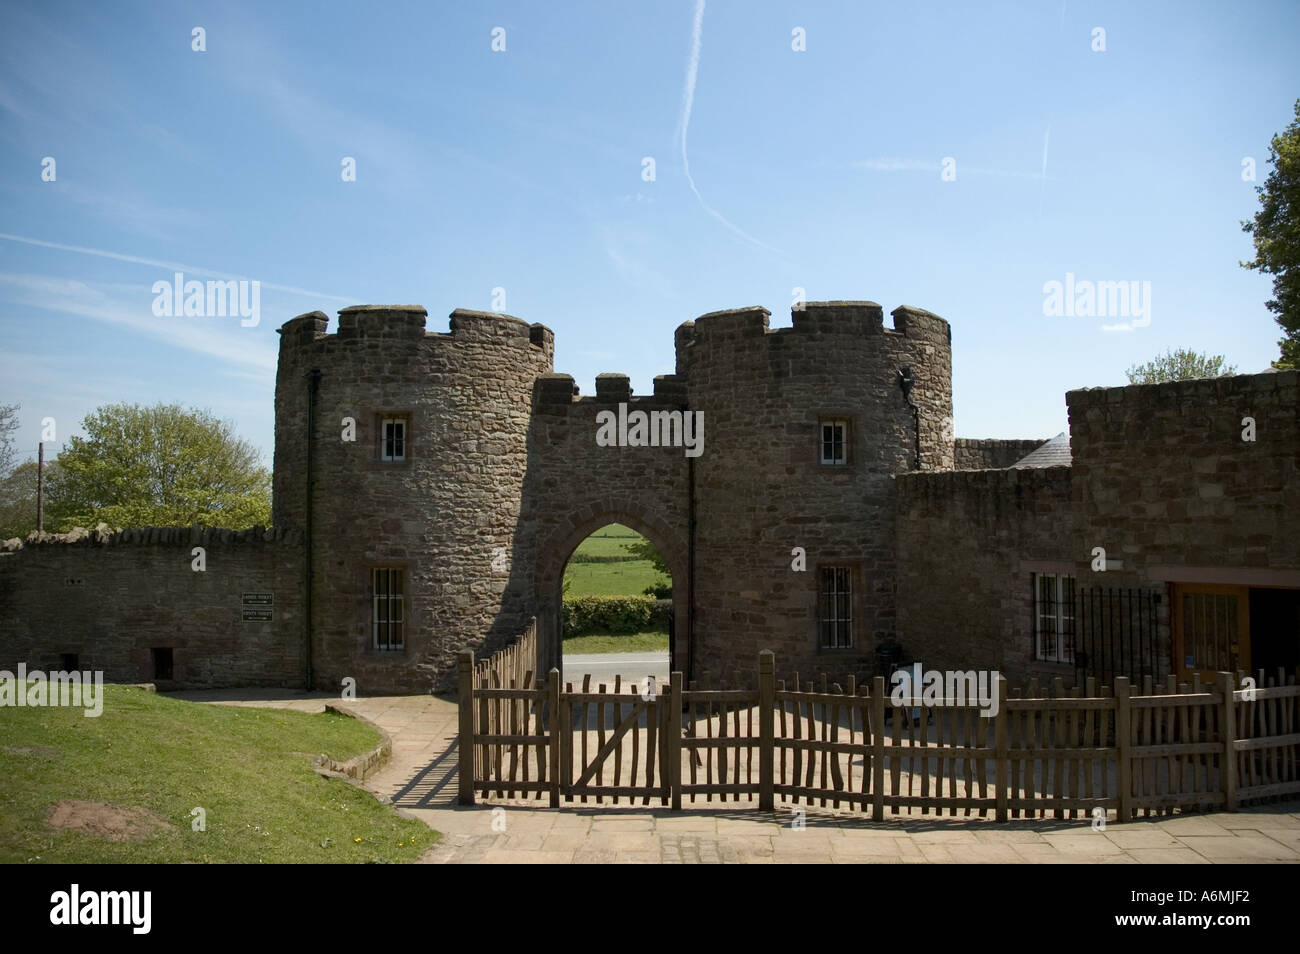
(618,618)
(1231,628)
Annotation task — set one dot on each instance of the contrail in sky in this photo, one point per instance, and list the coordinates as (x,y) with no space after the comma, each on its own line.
(683,124)
(170,266)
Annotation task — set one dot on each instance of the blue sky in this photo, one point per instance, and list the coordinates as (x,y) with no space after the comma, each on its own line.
(819,169)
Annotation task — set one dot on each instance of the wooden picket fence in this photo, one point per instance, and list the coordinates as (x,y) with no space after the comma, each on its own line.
(1088,752)
(504,708)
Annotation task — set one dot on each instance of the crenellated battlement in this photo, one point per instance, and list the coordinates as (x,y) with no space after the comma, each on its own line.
(558,390)
(812,321)
(862,318)
(407,323)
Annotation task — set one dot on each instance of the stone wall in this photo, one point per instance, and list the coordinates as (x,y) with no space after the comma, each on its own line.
(503,460)
(965,543)
(445,515)
(1161,479)
(503,478)
(761,489)
(576,487)
(989,454)
(111,597)
(1166,479)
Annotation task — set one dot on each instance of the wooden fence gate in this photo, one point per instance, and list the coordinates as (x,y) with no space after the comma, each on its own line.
(643,718)
(1064,754)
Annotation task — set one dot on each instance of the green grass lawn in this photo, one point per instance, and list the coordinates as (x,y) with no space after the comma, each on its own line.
(609,541)
(609,579)
(628,578)
(655,641)
(612,579)
(249,769)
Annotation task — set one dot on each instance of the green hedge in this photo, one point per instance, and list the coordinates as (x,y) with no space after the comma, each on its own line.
(604,558)
(614,614)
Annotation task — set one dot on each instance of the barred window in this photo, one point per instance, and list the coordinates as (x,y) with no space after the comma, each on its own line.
(835,436)
(388,619)
(836,614)
(392,439)
(1054,617)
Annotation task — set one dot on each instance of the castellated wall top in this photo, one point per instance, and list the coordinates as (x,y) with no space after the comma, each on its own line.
(407,323)
(816,317)
(812,322)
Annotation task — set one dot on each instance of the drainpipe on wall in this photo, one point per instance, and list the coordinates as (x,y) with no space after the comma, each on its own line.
(690,573)
(313,384)
(905,381)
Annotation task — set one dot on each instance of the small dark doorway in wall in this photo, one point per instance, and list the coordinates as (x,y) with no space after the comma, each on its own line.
(1274,630)
(162,663)
(69,662)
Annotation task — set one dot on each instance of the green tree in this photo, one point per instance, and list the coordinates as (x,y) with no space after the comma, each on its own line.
(159,466)
(1276,231)
(8,424)
(645,550)
(1179,365)
(18,498)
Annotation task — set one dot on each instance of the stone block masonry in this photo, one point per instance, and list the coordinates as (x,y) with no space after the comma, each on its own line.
(762,488)
(1161,479)
(461,464)
(1164,470)
(110,598)
(448,514)
(971,454)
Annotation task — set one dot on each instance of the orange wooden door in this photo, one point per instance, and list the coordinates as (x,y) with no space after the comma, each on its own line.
(1211,625)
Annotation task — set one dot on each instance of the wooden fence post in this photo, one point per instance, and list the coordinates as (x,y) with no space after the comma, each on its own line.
(465,773)
(1123,755)
(1228,761)
(673,748)
(878,748)
(766,733)
(1001,766)
(553,728)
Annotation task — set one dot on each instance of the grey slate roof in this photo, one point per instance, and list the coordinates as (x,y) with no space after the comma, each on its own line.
(1055,453)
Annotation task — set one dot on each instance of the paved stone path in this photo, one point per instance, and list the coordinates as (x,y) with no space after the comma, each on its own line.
(421,779)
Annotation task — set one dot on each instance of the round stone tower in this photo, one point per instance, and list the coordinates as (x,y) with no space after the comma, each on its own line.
(401,455)
(805,428)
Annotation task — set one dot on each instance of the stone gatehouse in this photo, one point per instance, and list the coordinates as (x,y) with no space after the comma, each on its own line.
(429,489)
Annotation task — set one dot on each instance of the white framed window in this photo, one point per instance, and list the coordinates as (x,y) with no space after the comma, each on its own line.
(835,442)
(392,438)
(835,611)
(1054,617)
(388,610)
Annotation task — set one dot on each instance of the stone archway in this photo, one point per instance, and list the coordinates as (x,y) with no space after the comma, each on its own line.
(559,546)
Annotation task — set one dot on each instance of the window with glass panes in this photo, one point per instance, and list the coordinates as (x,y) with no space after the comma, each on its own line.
(392,439)
(388,615)
(1054,617)
(835,438)
(836,612)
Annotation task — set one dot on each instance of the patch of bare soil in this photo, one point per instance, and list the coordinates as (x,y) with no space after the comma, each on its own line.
(42,751)
(114,822)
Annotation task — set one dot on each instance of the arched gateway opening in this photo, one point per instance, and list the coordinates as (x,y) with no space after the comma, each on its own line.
(617,617)
(557,553)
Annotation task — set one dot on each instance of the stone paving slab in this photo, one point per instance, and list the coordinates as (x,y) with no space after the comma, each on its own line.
(420,779)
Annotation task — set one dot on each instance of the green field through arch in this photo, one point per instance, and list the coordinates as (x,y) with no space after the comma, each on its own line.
(602,567)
